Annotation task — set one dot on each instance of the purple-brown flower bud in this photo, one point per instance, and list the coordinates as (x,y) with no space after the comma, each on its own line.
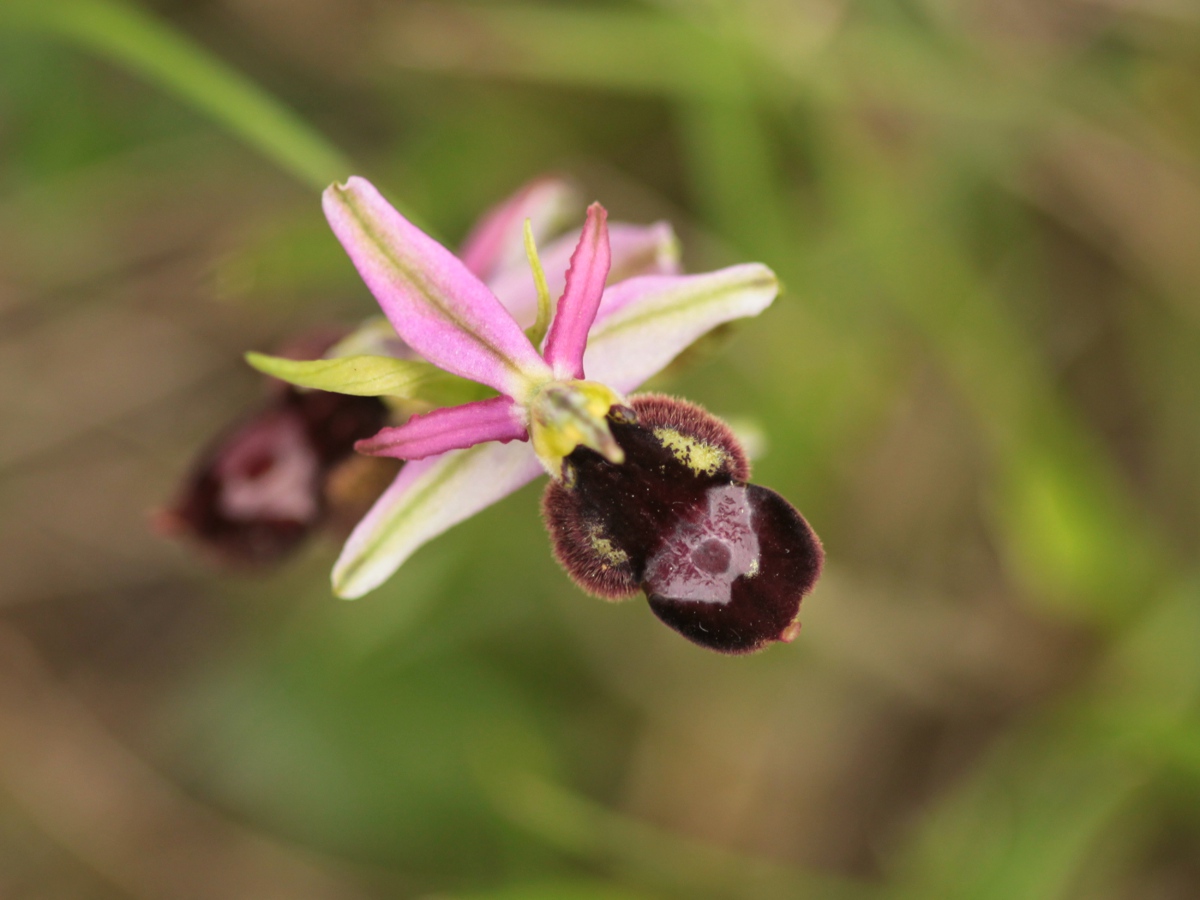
(263,486)
(722,562)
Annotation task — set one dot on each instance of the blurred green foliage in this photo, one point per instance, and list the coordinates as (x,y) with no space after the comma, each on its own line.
(981,386)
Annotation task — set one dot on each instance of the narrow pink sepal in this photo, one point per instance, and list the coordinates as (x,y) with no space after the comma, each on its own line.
(497,241)
(432,300)
(451,428)
(578,304)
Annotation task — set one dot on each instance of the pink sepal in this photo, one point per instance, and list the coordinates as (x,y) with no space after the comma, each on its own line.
(428,497)
(432,300)
(644,323)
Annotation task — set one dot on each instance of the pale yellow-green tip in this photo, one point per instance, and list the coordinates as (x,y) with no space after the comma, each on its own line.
(537,332)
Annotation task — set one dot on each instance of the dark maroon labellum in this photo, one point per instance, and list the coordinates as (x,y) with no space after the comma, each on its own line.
(261,488)
(722,562)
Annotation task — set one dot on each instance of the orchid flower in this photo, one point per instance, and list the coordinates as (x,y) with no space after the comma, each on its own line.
(559,405)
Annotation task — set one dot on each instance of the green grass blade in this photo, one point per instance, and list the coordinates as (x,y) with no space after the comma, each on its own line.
(638,51)
(137,41)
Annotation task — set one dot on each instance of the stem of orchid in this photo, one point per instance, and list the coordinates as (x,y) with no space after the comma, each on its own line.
(537,332)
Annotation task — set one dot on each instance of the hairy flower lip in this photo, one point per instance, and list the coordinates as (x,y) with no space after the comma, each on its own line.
(724,563)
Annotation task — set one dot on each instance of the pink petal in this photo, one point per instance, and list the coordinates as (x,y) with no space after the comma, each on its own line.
(635,250)
(497,242)
(435,304)
(450,428)
(428,497)
(578,304)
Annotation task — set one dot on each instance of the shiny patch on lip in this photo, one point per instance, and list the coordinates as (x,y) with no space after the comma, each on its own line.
(701,559)
(764,599)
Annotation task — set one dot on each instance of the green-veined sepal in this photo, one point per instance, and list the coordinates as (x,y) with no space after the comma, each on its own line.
(372,376)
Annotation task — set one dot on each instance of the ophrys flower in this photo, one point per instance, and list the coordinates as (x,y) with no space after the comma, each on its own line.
(561,407)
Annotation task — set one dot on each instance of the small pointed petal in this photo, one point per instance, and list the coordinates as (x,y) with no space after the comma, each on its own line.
(428,497)
(579,302)
(433,301)
(634,250)
(496,242)
(644,323)
(450,428)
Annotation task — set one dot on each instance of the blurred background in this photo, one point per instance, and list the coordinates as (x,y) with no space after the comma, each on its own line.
(981,385)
